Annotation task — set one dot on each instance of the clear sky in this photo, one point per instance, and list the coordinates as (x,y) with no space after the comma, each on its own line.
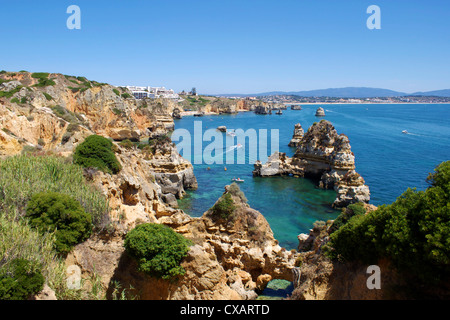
(233,46)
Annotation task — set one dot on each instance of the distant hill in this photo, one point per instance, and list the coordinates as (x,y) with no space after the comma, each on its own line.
(438,93)
(348,92)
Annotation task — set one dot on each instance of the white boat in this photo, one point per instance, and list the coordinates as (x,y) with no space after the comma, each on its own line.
(237,180)
(404,131)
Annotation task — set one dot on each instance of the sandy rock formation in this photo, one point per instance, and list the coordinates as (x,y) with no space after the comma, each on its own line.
(325,155)
(298,135)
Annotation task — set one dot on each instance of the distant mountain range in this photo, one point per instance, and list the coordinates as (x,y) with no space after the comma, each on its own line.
(348,92)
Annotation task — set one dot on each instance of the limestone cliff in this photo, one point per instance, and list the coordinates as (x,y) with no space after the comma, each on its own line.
(53,111)
(321,153)
(230,259)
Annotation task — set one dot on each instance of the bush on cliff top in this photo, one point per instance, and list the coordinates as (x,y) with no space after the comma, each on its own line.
(61,214)
(96,152)
(157,249)
(413,232)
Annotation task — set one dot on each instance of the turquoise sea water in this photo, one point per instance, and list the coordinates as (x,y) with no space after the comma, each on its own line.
(388,160)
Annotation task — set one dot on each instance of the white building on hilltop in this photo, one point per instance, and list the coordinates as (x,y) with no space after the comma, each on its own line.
(153,92)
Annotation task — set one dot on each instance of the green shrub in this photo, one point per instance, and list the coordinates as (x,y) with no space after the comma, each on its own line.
(126,95)
(412,232)
(9,94)
(41,142)
(65,114)
(347,213)
(116,92)
(40,75)
(96,152)
(118,112)
(158,250)
(47,96)
(235,190)
(43,80)
(127,143)
(15,100)
(224,208)
(23,100)
(22,280)
(60,213)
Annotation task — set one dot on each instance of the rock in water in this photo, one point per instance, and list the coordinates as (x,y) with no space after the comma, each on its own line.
(222,129)
(320,112)
(298,135)
(324,154)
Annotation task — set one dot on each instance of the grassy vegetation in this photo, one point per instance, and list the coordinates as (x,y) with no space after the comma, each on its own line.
(67,115)
(19,241)
(23,176)
(9,94)
(43,80)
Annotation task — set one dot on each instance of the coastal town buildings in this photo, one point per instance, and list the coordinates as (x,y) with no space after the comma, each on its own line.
(153,92)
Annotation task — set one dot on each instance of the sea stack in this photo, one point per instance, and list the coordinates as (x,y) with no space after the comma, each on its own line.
(324,155)
(222,129)
(320,112)
(298,135)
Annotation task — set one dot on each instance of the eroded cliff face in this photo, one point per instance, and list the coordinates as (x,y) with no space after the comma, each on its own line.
(56,116)
(322,154)
(229,259)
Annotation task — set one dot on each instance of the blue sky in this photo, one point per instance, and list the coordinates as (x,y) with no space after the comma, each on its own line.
(229,46)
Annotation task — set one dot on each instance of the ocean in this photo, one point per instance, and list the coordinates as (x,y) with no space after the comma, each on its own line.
(389,161)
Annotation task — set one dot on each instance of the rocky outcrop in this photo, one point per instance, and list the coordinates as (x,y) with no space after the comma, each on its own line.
(320,112)
(298,135)
(231,258)
(176,114)
(324,155)
(263,109)
(222,128)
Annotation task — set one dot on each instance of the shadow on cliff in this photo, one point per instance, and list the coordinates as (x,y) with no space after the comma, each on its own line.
(136,284)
